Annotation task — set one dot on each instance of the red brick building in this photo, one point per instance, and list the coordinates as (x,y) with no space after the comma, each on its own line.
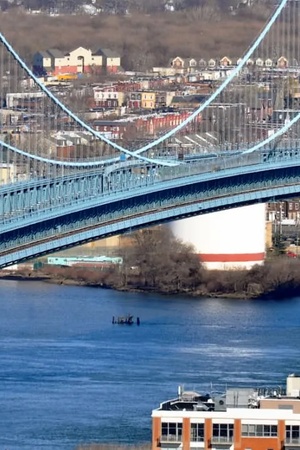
(149,125)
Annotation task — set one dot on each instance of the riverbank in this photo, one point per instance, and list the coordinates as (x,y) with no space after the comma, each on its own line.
(277,278)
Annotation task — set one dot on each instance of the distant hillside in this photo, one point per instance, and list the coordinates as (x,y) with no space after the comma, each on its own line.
(143,40)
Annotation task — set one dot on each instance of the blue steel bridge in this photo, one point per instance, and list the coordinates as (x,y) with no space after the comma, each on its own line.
(63,183)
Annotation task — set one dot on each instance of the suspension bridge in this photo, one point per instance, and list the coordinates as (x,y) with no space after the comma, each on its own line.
(54,195)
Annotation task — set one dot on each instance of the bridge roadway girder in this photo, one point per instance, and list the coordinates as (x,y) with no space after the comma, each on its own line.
(28,197)
(117,213)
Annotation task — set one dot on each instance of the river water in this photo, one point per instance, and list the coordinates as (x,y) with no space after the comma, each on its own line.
(68,376)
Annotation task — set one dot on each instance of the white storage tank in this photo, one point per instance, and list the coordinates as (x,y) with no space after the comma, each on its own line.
(231,239)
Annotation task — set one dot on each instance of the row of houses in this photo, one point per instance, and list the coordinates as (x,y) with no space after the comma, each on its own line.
(110,97)
(183,65)
(63,144)
(66,144)
(149,125)
(80,60)
(103,97)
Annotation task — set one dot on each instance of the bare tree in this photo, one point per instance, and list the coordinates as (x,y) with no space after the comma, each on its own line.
(157,260)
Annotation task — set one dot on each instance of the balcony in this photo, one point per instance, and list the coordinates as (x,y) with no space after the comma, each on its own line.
(171,438)
(294,442)
(222,439)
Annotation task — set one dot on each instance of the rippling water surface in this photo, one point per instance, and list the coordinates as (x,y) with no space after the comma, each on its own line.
(68,376)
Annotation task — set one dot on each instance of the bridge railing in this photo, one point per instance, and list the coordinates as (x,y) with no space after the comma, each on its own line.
(33,197)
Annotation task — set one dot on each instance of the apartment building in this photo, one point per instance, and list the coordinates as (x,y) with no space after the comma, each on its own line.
(287,211)
(77,61)
(240,419)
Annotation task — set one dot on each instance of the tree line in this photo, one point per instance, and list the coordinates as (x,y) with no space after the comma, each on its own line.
(116,6)
(142,40)
(158,262)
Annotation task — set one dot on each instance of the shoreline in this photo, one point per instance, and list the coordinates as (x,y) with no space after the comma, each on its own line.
(72,282)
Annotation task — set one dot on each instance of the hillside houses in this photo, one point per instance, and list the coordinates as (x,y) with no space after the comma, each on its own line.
(136,107)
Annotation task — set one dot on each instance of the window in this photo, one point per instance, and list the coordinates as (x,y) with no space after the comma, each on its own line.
(259,430)
(171,431)
(292,434)
(222,432)
(197,432)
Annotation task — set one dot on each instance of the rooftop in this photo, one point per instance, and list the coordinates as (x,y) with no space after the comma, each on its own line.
(241,398)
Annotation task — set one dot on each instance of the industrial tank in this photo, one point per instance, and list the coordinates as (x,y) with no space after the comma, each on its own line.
(232,239)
